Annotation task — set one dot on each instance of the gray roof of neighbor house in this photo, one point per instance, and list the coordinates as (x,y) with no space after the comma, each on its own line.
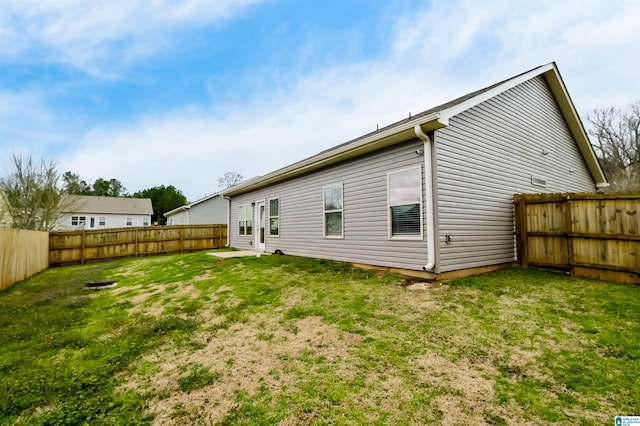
(189,205)
(107,205)
(432,119)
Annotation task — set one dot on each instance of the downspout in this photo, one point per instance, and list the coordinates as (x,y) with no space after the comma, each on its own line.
(428,195)
(228,221)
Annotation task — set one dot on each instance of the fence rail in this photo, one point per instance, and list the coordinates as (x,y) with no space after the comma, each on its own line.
(68,247)
(22,254)
(593,235)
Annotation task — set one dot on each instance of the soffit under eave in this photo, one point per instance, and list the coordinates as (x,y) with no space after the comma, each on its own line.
(406,133)
(177,210)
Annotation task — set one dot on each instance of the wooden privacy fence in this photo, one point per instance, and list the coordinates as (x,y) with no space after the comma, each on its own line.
(87,246)
(22,254)
(593,235)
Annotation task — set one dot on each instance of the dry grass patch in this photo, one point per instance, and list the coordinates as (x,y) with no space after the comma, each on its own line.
(261,353)
(190,339)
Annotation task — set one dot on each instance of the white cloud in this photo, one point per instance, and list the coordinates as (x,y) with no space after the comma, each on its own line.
(28,126)
(593,41)
(433,56)
(99,36)
(192,148)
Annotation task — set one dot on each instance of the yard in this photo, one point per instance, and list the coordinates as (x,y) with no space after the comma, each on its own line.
(191,339)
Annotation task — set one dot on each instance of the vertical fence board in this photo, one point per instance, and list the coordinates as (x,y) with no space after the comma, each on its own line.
(595,235)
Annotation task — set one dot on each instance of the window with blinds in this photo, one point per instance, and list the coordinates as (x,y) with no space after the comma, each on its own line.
(404,191)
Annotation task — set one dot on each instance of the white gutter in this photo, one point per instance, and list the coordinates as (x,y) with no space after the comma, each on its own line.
(428,195)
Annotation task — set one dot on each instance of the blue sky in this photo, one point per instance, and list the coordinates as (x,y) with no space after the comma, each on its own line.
(167,92)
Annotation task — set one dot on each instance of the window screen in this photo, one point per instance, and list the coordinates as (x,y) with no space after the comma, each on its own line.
(405,203)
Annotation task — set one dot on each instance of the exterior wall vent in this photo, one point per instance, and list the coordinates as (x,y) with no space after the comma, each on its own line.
(538,181)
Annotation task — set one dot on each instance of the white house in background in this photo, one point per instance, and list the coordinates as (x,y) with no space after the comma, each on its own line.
(89,212)
(212,209)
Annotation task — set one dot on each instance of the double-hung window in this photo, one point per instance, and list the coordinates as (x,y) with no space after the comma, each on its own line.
(78,220)
(404,191)
(333,220)
(129,221)
(274,217)
(245,219)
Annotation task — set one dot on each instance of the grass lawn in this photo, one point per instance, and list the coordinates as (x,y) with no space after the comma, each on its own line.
(191,339)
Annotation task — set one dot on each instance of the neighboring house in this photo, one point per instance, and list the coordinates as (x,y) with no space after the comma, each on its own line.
(433,192)
(89,212)
(212,209)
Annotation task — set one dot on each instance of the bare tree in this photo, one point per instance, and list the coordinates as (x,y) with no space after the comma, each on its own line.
(617,144)
(229,179)
(30,193)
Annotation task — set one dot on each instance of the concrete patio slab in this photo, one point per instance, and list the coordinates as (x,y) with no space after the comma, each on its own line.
(238,253)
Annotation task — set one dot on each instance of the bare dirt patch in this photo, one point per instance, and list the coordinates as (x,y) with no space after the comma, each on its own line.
(472,400)
(473,389)
(139,296)
(259,353)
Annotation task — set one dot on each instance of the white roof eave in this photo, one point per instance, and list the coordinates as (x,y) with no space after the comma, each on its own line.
(382,139)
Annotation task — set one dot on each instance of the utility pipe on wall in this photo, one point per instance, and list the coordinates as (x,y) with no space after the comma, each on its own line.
(428,195)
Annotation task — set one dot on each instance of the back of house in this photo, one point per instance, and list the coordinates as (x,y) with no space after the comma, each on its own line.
(430,193)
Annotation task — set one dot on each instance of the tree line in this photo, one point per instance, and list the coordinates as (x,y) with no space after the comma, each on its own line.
(163,198)
(31,196)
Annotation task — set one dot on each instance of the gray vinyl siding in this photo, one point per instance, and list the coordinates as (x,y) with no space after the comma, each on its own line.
(214,210)
(485,156)
(365,217)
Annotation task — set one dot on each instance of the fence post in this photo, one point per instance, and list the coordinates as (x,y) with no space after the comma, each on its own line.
(135,248)
(82,247)
(516,220)
(569,233)
(523,233)
(181,240)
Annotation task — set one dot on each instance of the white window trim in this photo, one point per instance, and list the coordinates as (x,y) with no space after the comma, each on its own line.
(256,222)
(129,221)
(252,218)
(324,213)
(389,222)
(278,216)
(80,220)
(242,230)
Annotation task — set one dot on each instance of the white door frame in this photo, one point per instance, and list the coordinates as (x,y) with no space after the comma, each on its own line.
(260,225)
